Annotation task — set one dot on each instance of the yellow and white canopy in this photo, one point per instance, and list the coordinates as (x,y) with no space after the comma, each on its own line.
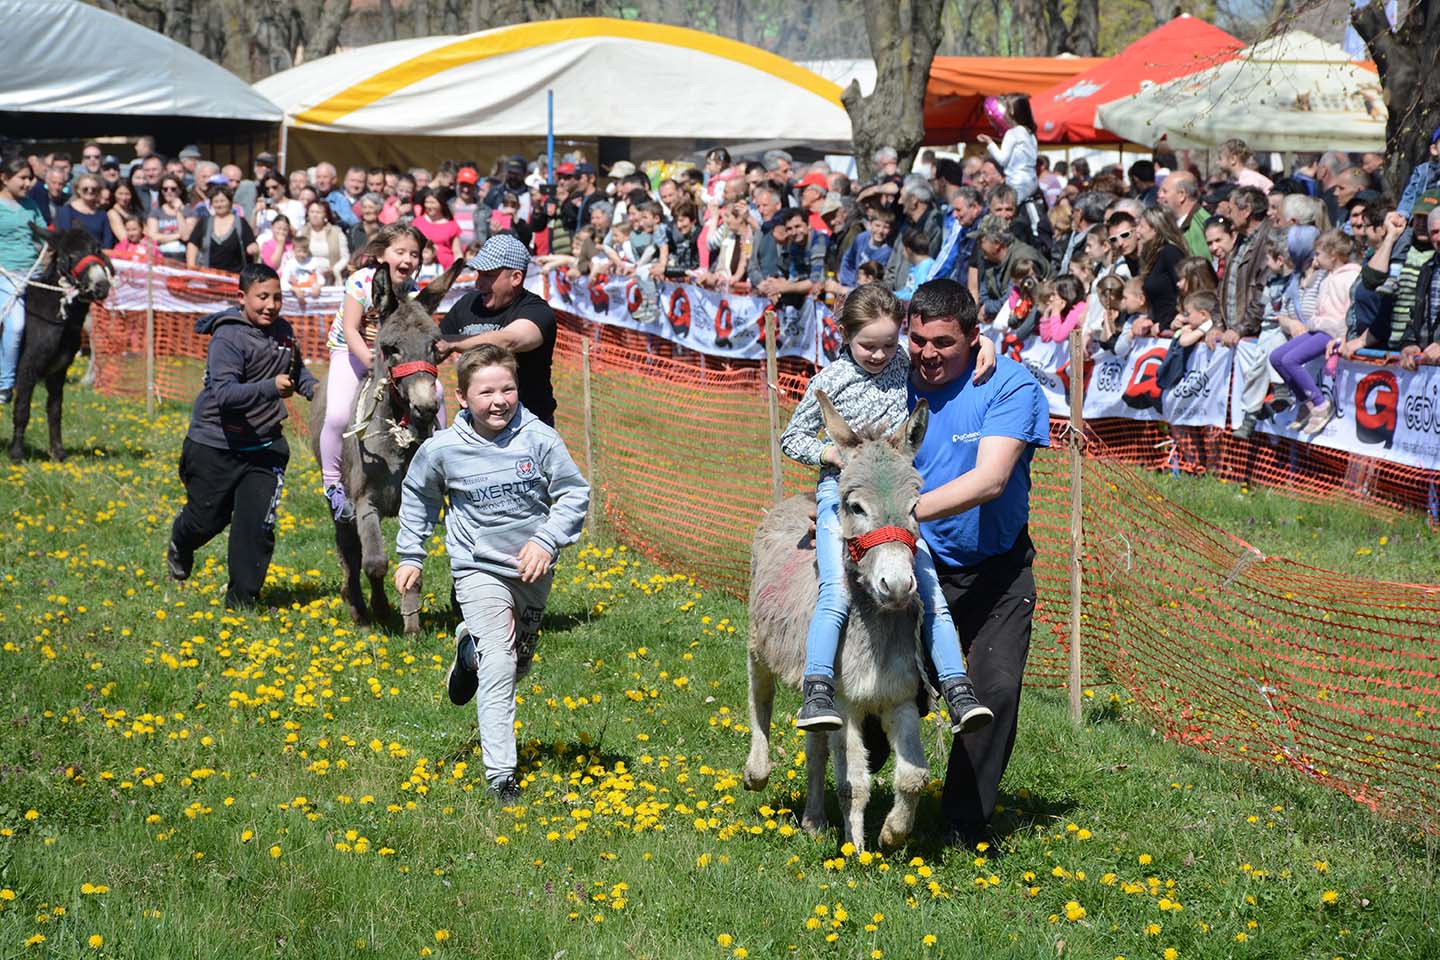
(611,78)
(1291,92)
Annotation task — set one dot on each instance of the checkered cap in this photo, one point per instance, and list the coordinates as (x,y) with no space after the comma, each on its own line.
(504,251)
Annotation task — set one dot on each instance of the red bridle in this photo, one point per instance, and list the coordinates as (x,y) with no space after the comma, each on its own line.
(863,544)
(89,260)
(402,370)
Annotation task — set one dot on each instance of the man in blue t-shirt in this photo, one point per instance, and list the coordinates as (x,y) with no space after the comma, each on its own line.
(974,513)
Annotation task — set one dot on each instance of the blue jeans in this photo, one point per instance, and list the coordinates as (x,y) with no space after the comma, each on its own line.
(12,316)
(834,602)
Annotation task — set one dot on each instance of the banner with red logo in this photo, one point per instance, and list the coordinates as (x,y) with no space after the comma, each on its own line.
(1383,412)
(707,321)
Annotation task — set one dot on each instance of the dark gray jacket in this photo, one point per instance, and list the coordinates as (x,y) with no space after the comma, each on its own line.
(239,407)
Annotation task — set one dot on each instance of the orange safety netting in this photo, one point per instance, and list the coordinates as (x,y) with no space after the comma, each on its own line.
(1247,657)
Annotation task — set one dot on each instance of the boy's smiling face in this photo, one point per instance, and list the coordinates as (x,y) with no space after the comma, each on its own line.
(261,303)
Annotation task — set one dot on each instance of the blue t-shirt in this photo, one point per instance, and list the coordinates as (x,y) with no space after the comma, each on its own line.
(1009,404)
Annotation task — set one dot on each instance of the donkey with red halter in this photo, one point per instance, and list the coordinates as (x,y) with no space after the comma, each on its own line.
(877,673)
(56,304)
(396,412)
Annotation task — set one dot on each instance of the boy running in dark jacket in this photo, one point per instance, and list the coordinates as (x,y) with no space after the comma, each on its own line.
(234,458)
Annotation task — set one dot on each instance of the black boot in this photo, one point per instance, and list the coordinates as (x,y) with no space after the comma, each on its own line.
(966,713)
(818,711)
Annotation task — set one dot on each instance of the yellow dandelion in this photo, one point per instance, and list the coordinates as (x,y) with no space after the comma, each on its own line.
(96,941)
(1329,896)
(724,939)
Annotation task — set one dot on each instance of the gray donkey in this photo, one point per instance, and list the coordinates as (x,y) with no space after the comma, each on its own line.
(876,668)
(396,413)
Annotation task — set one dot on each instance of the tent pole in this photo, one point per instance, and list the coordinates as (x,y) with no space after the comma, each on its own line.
(550,136)
(284,129)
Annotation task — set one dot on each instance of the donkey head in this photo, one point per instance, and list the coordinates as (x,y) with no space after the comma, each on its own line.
(879,487)
(405,344)
(78,261)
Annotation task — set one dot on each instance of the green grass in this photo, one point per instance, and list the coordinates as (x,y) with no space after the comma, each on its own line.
(207,770)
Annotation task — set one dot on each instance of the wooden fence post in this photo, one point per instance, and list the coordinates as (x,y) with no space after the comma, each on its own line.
(1077,533)
(589,433)
(772,404)
(149,335)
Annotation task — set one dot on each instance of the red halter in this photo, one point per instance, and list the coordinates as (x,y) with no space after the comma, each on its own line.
(863,544)
(402,370)
(89,260)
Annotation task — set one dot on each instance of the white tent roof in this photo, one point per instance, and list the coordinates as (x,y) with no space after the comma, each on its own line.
(612,78)
(62,56)
(1292,92)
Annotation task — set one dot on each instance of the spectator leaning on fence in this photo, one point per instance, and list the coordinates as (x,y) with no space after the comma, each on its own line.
(1420,343)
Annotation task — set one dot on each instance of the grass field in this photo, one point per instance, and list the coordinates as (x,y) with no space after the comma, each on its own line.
(179,781)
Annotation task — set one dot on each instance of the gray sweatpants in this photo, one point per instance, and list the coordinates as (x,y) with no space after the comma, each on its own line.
(503,616)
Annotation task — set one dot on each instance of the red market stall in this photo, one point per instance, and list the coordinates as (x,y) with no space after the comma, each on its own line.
(955,96)
(1065,113)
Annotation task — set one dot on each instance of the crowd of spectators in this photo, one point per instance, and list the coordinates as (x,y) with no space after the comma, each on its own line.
(1316,261)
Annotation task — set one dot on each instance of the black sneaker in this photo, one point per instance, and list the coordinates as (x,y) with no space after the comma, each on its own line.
(177,563)
(818,711)
(1246,428)
(1282,398)
(6,395)
(462,680)
(966,713)
(506,791)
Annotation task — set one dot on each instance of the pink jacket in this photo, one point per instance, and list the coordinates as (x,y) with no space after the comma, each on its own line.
(1332,306)
(1056,329)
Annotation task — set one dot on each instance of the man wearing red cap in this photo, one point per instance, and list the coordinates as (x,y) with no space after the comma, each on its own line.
(813,187)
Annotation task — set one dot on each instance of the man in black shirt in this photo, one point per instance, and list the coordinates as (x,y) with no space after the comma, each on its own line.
(501,311)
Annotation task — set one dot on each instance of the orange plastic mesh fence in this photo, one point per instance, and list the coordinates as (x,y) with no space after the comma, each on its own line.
(1253,659)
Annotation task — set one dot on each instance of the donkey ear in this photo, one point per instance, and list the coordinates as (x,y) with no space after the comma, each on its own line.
(908,438)
(382,292)
(835,424)
(435,291)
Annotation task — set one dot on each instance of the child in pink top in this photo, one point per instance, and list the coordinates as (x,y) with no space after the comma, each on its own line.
(135,246)
(1064,309)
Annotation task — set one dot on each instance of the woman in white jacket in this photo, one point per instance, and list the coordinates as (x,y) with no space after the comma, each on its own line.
(1018,148)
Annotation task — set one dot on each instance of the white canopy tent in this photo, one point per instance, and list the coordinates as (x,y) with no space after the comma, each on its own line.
(611,78)
(71,69)
(1291,92)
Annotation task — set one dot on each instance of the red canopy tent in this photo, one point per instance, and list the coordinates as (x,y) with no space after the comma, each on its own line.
(1065,113)
(955,95)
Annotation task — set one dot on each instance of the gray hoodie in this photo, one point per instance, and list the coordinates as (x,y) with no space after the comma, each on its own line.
(502,493)
(239,407)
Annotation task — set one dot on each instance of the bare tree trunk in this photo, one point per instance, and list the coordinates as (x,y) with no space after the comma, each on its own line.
(324,24)
(1082,36)
(387,20)
(421,9)
(1405,58)
(903,35)
(1033,20)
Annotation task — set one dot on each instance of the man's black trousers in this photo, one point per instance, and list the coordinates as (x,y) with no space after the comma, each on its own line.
(992,603)
(239,489)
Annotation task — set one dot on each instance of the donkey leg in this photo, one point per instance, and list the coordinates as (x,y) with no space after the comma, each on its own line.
(373,558)
(852,778)
(54,403)
(902,724)
(817,755)
(347,550)
(20,409)
(762,703)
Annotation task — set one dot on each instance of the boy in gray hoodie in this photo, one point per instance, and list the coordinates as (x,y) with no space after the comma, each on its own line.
(515,498)
(234,457)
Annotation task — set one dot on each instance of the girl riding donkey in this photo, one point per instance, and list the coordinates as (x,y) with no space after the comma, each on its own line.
(396,249)
(867,385)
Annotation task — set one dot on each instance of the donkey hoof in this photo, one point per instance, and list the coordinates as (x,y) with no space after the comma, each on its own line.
(756,779)
(361,618)
(891,839)
(57,454)
(17,454)
(814,826)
